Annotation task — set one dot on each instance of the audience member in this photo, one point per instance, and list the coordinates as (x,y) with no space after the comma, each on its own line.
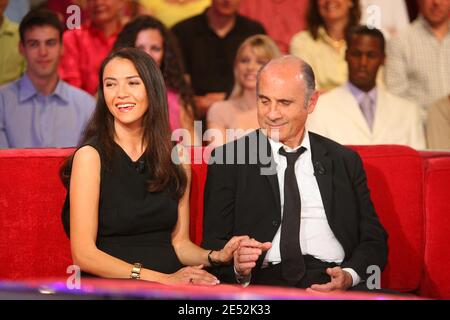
(281,19)
(12,63)
(438,124)
(150,35)
(418,60)
(323,44)
(320,231)
(127,206)
(39,109)
(85,48)
(209,42)
(360,112)
(239,111)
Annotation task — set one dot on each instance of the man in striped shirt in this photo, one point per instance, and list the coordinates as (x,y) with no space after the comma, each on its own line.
(418,60)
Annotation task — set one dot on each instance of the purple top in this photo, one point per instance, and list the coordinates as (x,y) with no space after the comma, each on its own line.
(29,119)
(174,108)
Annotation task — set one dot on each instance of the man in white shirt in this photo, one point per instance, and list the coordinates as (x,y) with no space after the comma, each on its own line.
(301,198)
(360,112)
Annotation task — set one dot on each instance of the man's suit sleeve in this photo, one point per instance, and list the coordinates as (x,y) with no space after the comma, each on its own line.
(372,248)
(219,208)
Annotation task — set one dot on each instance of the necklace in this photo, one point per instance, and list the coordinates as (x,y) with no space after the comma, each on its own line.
(337,44)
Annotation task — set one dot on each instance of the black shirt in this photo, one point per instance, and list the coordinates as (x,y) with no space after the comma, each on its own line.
(134,225)
(209,59)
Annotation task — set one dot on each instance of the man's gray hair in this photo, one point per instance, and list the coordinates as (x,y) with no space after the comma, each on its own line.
(306,73)
(309,80)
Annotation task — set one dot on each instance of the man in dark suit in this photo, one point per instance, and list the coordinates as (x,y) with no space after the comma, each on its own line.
(301,198)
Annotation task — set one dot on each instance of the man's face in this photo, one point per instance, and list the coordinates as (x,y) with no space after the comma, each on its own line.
(3,5)
(281,108)
(364,56)
(435,11)
(42,50)
(103,11)
(225,7)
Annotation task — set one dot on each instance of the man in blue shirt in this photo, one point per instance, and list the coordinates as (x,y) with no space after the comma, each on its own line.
(39,110)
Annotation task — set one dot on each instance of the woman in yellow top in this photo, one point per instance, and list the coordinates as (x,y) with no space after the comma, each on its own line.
(171,12)
(323,44)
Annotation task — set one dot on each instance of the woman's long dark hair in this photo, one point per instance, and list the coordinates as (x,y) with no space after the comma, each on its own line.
(165,175)
(315,20)
(172,66)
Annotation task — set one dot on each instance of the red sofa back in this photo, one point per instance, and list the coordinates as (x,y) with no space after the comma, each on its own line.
(32,239)
(394,176)
(33,243)
(435,281)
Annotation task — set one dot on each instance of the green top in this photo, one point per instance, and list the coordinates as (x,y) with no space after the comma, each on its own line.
(12,64)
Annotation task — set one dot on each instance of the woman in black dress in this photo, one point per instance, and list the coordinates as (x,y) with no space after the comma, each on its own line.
(127,207)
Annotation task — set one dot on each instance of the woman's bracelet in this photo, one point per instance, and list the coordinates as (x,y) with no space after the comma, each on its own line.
(212,262)
(136,271)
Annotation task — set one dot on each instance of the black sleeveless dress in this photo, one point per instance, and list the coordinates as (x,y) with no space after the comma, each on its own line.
(134,225)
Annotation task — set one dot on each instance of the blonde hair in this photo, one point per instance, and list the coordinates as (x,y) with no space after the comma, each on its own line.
(262,46)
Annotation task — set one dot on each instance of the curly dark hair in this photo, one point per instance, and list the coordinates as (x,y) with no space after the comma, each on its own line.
(315,20)
(165,175)
(172,66)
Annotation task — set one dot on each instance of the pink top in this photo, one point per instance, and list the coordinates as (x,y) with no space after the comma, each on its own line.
(174,108)
(84,51)
(281,18)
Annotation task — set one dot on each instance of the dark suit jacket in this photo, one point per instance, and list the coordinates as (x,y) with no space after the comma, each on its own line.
(241,201)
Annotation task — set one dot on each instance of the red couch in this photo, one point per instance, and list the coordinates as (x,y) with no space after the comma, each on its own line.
(435,280)
(410,191)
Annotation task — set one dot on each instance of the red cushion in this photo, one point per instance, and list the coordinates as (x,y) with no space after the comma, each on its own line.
(32,239)
(436,280)
(394,176)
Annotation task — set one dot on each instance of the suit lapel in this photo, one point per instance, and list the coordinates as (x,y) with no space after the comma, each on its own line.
(323,170)
(382,116)
(264,167)
(273,180)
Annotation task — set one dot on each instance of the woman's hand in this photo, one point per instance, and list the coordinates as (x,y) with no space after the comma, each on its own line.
(191,275)
(225,255)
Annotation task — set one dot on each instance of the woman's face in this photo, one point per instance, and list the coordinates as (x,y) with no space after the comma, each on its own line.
(125,93)
(331,10)
(247,66)
(151,42)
